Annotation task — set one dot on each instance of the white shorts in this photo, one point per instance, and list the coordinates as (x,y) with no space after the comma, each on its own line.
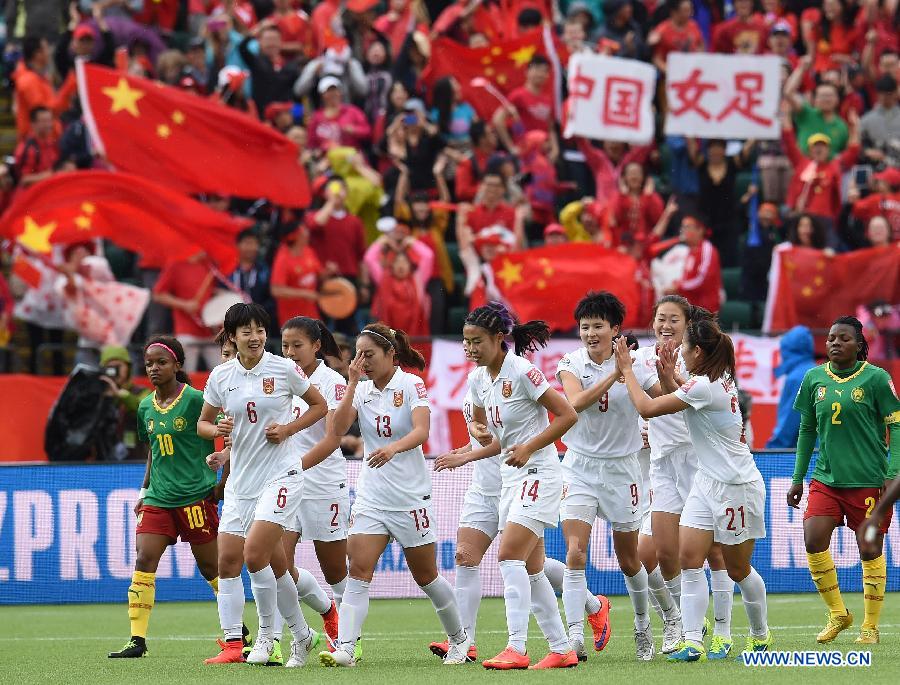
(412,528)
(735,513)
(278,503)
(647,525)
(481,512)
(646,490)
(533,501)
(325,520)
(608,488)
(671,477)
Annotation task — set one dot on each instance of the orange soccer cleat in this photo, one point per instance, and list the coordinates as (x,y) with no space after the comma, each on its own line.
(509,660)
(330,620)
(232,653)
(440,649)
(555,660)
(600,624)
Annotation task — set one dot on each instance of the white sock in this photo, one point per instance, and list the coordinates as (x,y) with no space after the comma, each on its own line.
(517,598)
(546,611)
(230,601)
(311,593)
(337,591)
(352,615)
(673,585)
(574,591)
(753,592)
(265,592)
(278,621)
(694,602)
(660,596)
(440,592)
(555,571)
(289,607)
(637,590)
(723,598)
(468,596)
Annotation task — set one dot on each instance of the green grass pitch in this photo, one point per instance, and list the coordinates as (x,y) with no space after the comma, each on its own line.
(68,644)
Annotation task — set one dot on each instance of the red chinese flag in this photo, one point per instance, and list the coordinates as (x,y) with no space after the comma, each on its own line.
(810,288)
(128,210)
(190,143)
(547,282)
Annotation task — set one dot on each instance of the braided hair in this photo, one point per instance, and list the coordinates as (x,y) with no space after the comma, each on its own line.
(863,353)
(495,317)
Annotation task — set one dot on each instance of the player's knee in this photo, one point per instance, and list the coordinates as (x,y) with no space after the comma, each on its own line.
(208,570)
(361,572)
(256,558)
(466,557)
(629,563)
(576,557)
(737,572)
(146,562)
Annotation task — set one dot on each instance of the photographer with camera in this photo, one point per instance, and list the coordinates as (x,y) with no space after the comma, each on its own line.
(125,396)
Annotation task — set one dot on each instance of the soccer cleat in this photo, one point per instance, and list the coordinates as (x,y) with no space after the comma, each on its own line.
(556,660)
(577,645)
(301,649)
(834,626)
(705,626)
(507,660)
(459,653)
(755,644)
(357,650)
(330,621)
(262,650)
(338,658)
(719,648)
(440,649)
(688,651)
(868,636)
(232,653)
(643,642)
(600,624)
(135,648)
(672,633)
(276,658)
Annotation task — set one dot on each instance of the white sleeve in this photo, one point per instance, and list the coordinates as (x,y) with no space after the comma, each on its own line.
(211,393)
(417,392)
(696,392)
(334,389)
(566,364)
(645,376)
(357,395)
(534,383)
(474,387)
(297,381)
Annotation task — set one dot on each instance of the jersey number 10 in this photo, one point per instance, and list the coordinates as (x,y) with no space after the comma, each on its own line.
(165,444)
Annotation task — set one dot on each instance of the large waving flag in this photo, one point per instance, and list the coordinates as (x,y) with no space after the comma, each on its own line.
(182,140)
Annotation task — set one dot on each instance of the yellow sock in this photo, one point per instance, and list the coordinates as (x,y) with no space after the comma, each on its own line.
(874,581)
(141,594)
(824,575)
(214,584)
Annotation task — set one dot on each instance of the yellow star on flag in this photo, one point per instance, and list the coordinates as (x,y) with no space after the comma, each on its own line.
(510,274)
(496,51)
(541,284)
(163,131)
(88,207)
(501,79)
(545,264)
(806,291)
(83,223)
(178,116)
(36,237)
(523,55)
(124,97)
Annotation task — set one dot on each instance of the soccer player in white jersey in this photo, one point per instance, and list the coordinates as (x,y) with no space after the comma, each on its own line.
(393,494)
(255,392)
(727,500)
(601,471)
(673,465)
(511,397)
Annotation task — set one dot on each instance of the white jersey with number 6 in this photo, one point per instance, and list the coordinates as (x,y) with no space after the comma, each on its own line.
(486,472)
(385,416)
(257,398)
(327,479)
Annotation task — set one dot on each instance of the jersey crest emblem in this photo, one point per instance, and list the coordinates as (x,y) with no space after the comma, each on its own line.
(149,425)
(857,394)
(687,386)
(179,423)
(507,389)
(339,391)
(398,398)
(535,376)
(268,385)
(820,393)
(421,391)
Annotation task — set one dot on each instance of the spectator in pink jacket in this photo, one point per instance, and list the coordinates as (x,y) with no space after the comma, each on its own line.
(336,122)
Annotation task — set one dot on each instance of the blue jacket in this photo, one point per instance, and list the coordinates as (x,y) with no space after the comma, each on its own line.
(796,359)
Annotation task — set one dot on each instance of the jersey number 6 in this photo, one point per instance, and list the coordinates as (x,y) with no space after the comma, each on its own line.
(251,412)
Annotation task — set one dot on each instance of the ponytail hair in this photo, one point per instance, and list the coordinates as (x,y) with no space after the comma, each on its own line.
(718,350)
(170,344)
(388,339)
(863,353)
(495,317)
(317,332)
(696,313)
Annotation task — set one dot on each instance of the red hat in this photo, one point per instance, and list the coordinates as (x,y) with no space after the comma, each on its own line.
(554,229)
(891,176)
(83,31)
(360,6)
(273,109)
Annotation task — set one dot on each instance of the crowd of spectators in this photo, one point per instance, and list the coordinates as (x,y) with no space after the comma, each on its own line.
(413,192)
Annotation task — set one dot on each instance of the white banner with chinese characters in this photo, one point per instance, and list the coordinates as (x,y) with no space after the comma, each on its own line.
(723,96)
(610,98)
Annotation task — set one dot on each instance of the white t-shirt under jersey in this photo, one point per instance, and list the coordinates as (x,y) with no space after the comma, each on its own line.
(609,428)
(717,429)
(486,472)
(385,416)
(514,415)
(666,433)
(256,398)
(327,479)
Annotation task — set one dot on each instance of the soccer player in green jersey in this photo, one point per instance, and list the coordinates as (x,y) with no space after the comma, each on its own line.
(848,403)
(179,493)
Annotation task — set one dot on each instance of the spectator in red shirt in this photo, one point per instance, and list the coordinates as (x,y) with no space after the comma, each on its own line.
(532,107)
(491,211)
(746,32)
(295,277)
(469,172)
(830,34)
(297,38)
(398,299)
(634,210)
(33,87)
(37,154)
(336,122)
(678,33)
(701,282)
(884,201)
